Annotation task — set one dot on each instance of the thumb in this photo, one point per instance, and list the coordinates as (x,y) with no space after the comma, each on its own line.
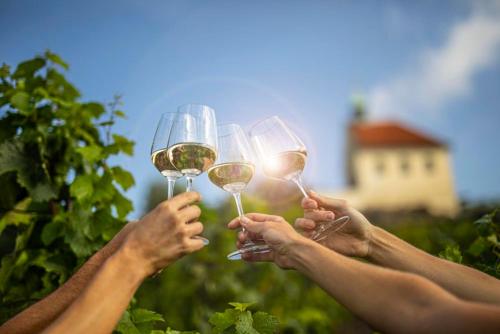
(327,202)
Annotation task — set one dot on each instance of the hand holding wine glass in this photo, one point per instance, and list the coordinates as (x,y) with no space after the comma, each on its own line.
(284,156)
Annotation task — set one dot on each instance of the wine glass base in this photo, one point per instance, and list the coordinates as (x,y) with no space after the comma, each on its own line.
(324,230)
(250,248)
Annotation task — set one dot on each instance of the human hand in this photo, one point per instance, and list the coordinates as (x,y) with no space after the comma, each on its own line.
(275,231)
(353,239)
(165,234)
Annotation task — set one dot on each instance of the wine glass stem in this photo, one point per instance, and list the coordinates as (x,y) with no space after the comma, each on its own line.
(298,181)
(239,207)
(189,183)
(170,187)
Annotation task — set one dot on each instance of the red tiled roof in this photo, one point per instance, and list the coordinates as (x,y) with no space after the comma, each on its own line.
(390,134)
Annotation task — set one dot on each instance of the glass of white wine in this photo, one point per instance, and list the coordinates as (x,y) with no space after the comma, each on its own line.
(283,156)
(159,155)
(193,141)
(232,172)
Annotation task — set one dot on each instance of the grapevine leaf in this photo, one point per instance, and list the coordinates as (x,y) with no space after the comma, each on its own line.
(20,101)
(451,253)
(17,216)
(4,70)
(123,144)
(265,323)
(93,108)
(244,323)
(126,326)
(91,153)
(123,205)
(82,187)
(51,231)
(56,59)
(28,68)
(123,177)
(241,306)
(222,321)
(140,315)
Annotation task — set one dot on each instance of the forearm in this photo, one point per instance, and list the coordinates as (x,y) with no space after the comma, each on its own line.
(40,315)
(388,300)
(389,251)
(99,307)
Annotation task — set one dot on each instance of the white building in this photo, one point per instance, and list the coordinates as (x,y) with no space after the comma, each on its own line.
(391,167)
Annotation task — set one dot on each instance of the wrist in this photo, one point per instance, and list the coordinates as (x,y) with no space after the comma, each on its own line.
(377,243)
(300,252)
(129,256)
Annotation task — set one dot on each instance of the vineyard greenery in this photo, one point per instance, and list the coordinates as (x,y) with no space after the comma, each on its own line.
(62,200)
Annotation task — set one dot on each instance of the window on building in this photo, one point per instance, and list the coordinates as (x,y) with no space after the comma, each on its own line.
(429,162)
(404,163)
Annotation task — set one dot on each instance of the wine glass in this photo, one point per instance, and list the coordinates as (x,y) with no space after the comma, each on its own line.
(193,141)
(232,171)
(283,156)
(159,155)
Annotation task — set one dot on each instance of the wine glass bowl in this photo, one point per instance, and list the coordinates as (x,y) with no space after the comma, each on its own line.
(159,151)
(233,171)
(193,141)
(283,156)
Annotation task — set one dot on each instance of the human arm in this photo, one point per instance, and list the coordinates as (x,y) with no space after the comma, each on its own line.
(388,300)
(160,238)
(39,315)
(362,239)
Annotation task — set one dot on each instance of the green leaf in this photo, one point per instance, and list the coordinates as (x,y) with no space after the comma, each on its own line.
(91,153)
(28,68)
(222,321)
(56,59)
(21,101)
(123,205)
(451,253)
(479,246)
(241,306)
(123,144)
(140,315)
(244,324)
(265,323)
(119,113)
(17,216)
(123,177)
(51,231)
(43,192)
(4,71)
(82,187)
(93,108)
(126,326)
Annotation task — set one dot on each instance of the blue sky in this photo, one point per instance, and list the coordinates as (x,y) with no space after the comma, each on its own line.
(433,64)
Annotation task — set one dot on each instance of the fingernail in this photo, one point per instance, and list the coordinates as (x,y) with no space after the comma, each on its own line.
(313,192)
(330,215)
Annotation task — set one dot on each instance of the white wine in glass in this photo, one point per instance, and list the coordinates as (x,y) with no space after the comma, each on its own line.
(232,172)
(159,152)
(283,156)
(193,141)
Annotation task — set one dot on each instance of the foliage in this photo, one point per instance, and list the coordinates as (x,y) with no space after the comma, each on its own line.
(237,319)
(61,199)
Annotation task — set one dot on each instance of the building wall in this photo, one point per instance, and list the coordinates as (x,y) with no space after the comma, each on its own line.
(402,179)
